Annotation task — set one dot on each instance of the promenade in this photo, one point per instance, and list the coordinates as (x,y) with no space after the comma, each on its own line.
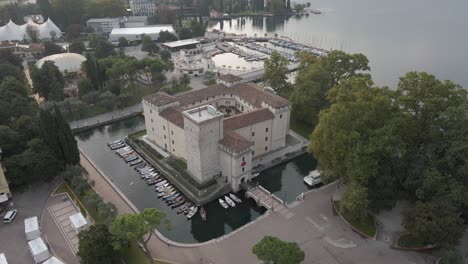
(106,118)
(325,238)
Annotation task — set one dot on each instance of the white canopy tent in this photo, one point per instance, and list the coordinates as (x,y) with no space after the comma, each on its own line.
(38,250)
(31,228)
(14,32)
(78,222)
(53,260)
(3,259)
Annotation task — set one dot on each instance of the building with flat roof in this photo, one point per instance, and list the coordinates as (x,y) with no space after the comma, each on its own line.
(143,7)
(103,25)
(181,44)
(218,130)
(135,33)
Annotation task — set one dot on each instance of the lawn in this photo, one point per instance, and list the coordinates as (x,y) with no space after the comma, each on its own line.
(410,241)
(367,227)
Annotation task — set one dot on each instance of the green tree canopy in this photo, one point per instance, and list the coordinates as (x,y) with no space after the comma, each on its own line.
(272,250)
(96,246)
(148,45)
(166,36)
(185,33)
(276,70)
(48,81)
(76,47)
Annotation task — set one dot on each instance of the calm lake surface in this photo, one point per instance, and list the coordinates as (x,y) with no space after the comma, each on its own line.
(220,221)
(397,36)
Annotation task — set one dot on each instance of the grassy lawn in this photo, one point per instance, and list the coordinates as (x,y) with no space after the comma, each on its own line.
(410,241)
(300,127)
(367,227)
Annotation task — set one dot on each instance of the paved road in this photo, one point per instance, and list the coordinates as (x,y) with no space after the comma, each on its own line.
(12,238)
(325,238)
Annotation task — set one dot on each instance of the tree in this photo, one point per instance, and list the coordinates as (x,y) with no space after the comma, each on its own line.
(48,81)
(185,33)
(210,78)
(148,45)
(451,257)
(166,36)
(44,6)
(95,246)
(51,48)
(6,55)
(272,250)
(184,79)
(93,70)
(93,200)
(32,33)
(434,222)
(276,69)
(57,134)
(73,31)
(165,55)
(67,12)
(84,86)
(105,8)
(104,49)
(9,70)
(123,42)
(76,47)
(288,5)
(133,227)
(354,202)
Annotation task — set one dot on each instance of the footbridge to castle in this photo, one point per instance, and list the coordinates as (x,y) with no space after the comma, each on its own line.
(263,197)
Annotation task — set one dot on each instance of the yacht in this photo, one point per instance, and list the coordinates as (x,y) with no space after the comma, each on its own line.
(313,178)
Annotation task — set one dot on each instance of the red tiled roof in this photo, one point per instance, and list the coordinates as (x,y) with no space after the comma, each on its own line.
(174,116)
(234,142)
(246,119)
(160,99)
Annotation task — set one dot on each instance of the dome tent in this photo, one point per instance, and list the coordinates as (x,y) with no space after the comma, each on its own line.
(65,62)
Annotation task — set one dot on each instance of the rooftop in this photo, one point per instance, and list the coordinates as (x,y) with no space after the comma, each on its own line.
(31,224)
(53,260)
(37,246)
(203,113)
(142,30)
(174,116)
(160,99)
(3,259)
(101,20)
(234,142)
(180,43)
(247,119)
(77,220)
(230,78)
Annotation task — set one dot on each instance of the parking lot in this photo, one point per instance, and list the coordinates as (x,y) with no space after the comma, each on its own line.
(12,238)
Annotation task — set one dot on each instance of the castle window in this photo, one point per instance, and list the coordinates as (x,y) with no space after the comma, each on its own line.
(253,153)
(152,129)
(172,141)
(172,132)
(173,150)
(151,111)
(266,148)
(281,116)
(243,169)
(266,129)
(243,158)
(164,136)
(151,120)
(266,138)
(164,127)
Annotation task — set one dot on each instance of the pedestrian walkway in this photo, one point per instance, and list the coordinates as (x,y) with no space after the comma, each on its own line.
(106,118)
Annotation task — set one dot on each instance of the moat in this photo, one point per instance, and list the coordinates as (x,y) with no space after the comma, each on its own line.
(284,180)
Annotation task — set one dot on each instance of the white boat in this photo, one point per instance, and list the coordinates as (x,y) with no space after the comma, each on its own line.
(161,183)
(229,201)
(192,212)
(235,198)
(313,178)
(223,203)
(255,174)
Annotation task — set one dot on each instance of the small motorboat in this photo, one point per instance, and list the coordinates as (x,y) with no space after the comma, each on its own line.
(151,181)
(181,209)
(203,213)
(235,198)
(161,183)
(166,194)
(119,141)
(229,201)
(178,203)
(162,187)
(131,158)
(255,175)
(136,162)
(187,210)
(192,212)
(175,200)
(313,178)
(223,203)
(171,197)
(139,166)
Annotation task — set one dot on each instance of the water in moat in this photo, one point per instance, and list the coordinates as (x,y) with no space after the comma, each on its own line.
(219,222)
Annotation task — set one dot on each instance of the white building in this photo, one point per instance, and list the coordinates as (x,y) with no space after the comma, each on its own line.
(31,228)
(136,33)
(190,56)
(143,7)
(218,129)
(103,25)
(69,63)
(38,250)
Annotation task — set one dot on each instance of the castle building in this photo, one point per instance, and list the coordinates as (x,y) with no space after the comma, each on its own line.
(219,129)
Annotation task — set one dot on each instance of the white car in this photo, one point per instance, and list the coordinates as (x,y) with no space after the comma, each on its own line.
(9,216)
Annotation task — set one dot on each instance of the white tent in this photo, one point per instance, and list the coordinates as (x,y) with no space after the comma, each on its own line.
(70,62)
(78,222)
(53,260)
(3,259)
(31,228)
(38,250)
(14,32)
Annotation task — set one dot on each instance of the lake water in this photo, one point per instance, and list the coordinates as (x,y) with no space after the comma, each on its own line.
(219,221)
(397,36)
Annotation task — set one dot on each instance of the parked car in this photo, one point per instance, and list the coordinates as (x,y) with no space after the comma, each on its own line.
(9,216)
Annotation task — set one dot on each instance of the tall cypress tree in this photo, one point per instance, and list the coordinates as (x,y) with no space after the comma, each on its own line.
(58,135)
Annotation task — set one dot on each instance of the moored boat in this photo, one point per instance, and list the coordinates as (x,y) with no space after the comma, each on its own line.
(192,212)
(161,183)
(203,213)
(223,203)
(235,198)
(229,201)
(181,209)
